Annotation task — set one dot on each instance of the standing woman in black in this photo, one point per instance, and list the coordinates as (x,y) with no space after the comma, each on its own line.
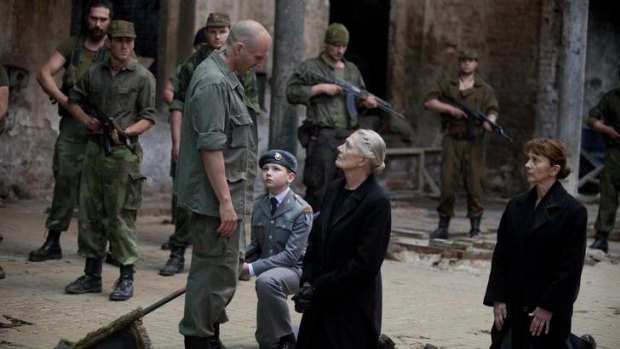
(340,293)
(538,259)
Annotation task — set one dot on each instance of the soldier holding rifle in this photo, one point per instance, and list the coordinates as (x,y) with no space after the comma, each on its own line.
(75,55)
(463,143)
(111,184)
(327,122)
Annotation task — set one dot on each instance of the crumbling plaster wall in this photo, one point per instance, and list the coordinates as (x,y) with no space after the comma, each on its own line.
(31,30)
(426,37)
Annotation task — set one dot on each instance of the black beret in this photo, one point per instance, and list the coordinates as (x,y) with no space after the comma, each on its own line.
(280,157)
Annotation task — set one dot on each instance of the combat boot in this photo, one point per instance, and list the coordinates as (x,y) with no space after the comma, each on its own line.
(601,241)
(2,275)
(123,288)
(442,230)
(90,282)
(49,250)
(175,263)
(475,227)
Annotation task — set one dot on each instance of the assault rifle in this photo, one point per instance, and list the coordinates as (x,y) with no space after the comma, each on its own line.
(351,91)
(476,116)
(108,125)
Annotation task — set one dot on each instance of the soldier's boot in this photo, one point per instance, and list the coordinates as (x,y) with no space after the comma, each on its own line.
(2,275)
(175,263)
(475,227)
(123,288)
(49,250)
(90,282)
(601,241)
(442,230)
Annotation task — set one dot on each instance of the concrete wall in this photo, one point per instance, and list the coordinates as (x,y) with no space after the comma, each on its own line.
(426,36)
(31,32)
(518,42)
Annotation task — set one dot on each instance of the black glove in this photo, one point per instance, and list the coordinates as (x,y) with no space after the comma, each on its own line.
(303,298)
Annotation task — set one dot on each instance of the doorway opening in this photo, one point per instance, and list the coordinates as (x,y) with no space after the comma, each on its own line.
(368,25)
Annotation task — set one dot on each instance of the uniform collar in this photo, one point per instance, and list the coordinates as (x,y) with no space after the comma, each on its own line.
(131,65)
(478,81)
(280,197)
(346,62)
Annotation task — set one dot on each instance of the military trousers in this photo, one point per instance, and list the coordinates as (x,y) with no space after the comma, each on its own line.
(67,167)
(180,215)
(461,161)
(212,279)
(609,191)
(273,319)
(320,168)
(110,196)
(181,236)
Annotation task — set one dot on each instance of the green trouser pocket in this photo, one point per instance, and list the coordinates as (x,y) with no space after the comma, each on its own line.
(133,196)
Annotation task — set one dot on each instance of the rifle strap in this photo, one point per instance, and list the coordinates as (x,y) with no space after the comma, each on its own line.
(77,52)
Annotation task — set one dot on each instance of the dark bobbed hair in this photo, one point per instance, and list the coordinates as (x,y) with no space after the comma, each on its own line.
(97,3)
(552,149)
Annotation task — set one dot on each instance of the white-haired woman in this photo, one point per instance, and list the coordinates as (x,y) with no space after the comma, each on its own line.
(341,281)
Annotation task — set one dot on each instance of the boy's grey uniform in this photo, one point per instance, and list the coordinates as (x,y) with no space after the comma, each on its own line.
(278,243)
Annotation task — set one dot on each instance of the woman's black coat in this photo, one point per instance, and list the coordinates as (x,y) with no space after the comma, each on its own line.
(343,263)
(537,262)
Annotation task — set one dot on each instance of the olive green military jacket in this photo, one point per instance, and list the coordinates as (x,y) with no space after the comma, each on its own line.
(217,117)
(608,111)
(480,97)
(127,97)
(187,69)
(321,108)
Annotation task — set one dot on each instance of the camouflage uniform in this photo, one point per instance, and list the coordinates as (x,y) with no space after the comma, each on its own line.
(462,159)
(608,111)
(71,141)
(218,117)
(327,114)
(111,186)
